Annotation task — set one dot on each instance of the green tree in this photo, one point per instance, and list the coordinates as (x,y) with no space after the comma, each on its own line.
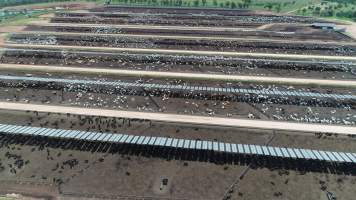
(304,11)
(278,7)
(215,3)
(327,13)
(246,3)
(269,6)
(227,4)
(196,3)
(233,5)
(317,10)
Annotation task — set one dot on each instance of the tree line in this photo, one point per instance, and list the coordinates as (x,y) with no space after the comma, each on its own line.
(188,3)
(340,10)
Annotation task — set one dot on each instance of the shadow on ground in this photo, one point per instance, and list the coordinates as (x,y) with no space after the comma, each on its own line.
(254,161)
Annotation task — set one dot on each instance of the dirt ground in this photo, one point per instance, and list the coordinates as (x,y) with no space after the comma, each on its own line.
(9,29)
(188,105)
(182,63)
(2,38)
(105,175)
(350,29)
(192,43)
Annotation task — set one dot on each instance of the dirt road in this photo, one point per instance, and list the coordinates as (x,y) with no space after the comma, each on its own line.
(187,52)
(145,26)
(184,119)
(186,37)
(178,75)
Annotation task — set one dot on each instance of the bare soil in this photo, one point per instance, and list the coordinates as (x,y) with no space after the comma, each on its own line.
(195,103)
(11,29)
(178,17)
(182,63)
(100,174)
(185,43)
(280,31)
(350,29)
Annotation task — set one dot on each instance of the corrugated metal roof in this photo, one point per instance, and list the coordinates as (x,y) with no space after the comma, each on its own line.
(324,25)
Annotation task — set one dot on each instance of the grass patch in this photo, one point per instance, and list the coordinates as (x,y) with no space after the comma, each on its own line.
(35,3)
(273,5)
(7,3)
(21,18)
(331,10)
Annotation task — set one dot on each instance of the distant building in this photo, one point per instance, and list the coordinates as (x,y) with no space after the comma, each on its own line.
(324,26)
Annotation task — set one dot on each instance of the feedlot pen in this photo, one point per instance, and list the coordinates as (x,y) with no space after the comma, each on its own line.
(118,94)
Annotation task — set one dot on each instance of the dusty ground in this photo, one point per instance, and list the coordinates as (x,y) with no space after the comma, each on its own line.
(183,119)
(281,32)
(351,29)
(179,75)
(106,175)
(9,29)
(185,105)
(2,38)
(189,52)
(185,43)
(116,64)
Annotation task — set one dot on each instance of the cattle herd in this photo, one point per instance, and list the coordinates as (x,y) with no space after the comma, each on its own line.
(207,64)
